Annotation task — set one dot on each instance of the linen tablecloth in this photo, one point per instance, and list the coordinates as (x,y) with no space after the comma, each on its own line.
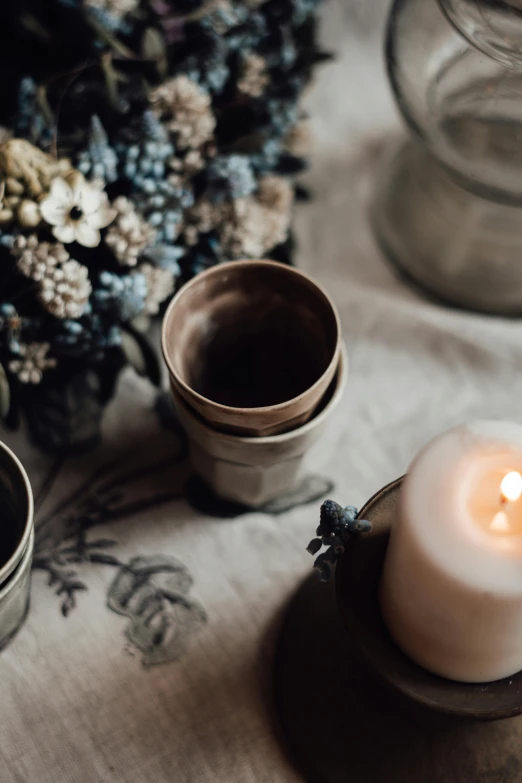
(144,656)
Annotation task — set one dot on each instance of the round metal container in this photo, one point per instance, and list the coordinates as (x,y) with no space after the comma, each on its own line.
(16,543)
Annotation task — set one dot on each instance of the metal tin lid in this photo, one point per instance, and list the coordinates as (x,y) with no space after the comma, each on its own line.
(16,519)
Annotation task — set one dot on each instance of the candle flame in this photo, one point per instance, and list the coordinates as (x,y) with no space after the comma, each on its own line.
(511,486)
(500,523)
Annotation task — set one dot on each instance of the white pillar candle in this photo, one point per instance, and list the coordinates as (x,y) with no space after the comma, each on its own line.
(451,588)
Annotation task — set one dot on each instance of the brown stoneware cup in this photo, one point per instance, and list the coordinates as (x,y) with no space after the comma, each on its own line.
(254,471)
(252,346)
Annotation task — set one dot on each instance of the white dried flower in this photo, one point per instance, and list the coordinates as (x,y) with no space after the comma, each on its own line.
(160,284)
(203,217)
(253,76)
(276,194)
(193,162)
(64,288)
(186,110)
(28,214)
(191,236)
(37,259)
(255,224)
(129,234)
(298,139)
(77,209)
(65,291)
(33,362)
(117,8)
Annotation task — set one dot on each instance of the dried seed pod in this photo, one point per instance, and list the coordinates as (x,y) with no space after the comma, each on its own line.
(28,214)
(13,186)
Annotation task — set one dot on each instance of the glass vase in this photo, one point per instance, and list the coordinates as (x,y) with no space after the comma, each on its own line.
(449,207)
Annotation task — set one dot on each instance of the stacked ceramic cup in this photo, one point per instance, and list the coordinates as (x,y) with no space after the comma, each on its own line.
(256,366)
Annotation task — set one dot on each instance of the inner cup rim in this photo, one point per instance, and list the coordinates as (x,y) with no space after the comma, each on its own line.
(7,569)
(292,271)
(340,379)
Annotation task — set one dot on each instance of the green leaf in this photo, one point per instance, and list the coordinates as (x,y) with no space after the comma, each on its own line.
(111,40)
(140,354)
(133,352)
(35,27)
(153,44)
(141,323)
(153,47)
(111,80)
(5,394)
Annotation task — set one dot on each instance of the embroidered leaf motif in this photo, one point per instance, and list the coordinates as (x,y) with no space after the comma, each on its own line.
(151,591)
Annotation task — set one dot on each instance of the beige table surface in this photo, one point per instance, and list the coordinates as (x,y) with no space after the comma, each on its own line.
(173,688)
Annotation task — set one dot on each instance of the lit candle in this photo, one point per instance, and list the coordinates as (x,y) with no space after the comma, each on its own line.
(451,589)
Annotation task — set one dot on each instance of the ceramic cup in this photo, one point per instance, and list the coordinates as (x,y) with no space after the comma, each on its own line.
(255,470)
(252,346)
(16,543)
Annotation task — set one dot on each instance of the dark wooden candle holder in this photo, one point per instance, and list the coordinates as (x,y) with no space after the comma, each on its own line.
(352,708)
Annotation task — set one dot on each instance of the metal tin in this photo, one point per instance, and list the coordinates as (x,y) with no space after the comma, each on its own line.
(16,543)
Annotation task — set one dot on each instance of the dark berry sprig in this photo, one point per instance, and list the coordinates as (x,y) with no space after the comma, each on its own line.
(337,526)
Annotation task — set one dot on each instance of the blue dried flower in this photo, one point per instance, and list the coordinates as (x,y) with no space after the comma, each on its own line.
(283,115)
(73,338)
(336,528)
(223,18)
(288,53)
(267,159)
(167,223)
(166,257)
(145,163)
(215,78)
(7,239)
(30,122)
(303,9)
(90,337)
(126,293)
(249,35)
(112,22)
(11,325)
(98,160)
(151,128)
(132,300)
(230,177)
(210,68)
